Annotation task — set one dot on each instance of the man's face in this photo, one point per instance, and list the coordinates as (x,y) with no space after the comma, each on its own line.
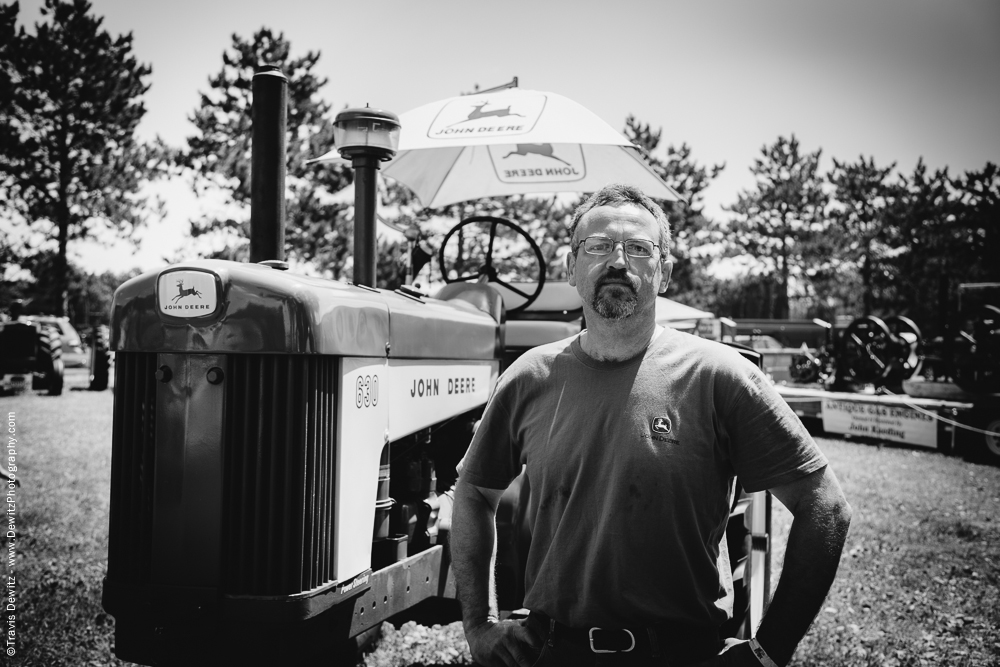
(616,285)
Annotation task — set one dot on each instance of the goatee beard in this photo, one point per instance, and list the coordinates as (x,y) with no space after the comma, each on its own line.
(615,305)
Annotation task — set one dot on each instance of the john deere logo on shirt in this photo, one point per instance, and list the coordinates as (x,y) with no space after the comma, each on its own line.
(660,425)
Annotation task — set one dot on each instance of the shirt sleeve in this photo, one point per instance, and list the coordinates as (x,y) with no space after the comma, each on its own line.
(768,445)
(493,459)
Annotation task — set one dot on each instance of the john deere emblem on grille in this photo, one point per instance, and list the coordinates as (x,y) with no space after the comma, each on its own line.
(186,293)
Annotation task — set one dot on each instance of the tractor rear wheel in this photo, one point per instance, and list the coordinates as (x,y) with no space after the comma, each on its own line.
(993,440)
(50,363)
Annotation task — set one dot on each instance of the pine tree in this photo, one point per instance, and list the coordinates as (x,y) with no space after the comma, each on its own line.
(687,219)
(70,162)
(949,234)
(862,226)
(775,223)
(317,230)
(979,220)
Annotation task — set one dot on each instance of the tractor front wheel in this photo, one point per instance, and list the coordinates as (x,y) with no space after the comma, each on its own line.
(100,359)
(982,443)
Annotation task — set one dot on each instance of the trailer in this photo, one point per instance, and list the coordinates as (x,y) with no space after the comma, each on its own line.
(968,423)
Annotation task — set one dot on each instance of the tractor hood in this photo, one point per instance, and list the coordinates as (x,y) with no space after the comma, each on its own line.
(222,306)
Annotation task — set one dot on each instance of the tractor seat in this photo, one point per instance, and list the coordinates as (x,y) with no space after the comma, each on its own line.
(557,313)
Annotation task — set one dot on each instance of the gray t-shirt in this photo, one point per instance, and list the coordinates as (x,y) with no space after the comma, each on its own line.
(631,469)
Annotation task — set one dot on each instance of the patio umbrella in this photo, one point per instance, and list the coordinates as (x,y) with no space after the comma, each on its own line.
(512,141)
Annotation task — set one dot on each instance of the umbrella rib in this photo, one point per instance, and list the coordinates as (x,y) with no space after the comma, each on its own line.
(447,173)
(409,156)
(634,154)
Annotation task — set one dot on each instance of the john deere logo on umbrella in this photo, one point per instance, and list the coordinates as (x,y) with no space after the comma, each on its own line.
(186,293)
(545,150)
(538,163)
(477,113)
(478,116)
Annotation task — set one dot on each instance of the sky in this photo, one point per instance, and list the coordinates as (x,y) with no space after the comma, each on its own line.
(895,80)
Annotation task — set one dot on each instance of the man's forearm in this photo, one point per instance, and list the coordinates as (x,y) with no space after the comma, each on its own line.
(473,547)
(815,543)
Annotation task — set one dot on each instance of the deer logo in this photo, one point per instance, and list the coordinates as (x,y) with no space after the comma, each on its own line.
(660,425)
(477,113)
(181,292)
(545,150)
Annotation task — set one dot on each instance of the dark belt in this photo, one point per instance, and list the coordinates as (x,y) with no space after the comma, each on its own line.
(679,643)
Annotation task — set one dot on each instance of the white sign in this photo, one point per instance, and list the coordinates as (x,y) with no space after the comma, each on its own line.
(423,393)
(362,422)
(887,422)
(187,293)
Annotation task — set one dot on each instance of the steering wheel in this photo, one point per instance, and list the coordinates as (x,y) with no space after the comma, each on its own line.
(488,272)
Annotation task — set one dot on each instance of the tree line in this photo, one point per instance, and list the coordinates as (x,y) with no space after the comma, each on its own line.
(861,238)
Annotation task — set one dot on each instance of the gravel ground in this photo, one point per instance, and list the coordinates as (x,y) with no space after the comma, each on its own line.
(412,645)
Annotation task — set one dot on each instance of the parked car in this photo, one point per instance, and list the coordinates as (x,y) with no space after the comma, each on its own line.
(777,358)
(75,355)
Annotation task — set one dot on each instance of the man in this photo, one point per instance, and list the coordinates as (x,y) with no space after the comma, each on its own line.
(631,436)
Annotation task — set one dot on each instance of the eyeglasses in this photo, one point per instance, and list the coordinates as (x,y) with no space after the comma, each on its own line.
(602,245)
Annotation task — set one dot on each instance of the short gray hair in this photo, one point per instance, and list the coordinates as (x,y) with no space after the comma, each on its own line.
(618,194)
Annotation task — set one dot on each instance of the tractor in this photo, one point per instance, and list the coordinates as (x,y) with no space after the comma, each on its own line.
(283,446)
(30,356)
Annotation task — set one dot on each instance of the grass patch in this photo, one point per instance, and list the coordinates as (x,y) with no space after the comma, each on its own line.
(64,461)
(919,582)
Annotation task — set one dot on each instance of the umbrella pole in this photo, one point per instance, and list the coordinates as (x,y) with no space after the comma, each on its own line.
(365,202)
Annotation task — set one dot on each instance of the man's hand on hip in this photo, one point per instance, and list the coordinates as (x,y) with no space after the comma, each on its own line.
(503,644)
(736,653)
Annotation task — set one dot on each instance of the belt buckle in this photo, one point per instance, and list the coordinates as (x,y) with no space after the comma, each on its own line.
(590,634)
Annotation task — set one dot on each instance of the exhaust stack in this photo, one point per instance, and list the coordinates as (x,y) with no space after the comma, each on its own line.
(267,166)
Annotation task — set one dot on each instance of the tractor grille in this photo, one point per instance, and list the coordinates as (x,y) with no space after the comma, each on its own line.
(278,472)
(130,536)
(280,456)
